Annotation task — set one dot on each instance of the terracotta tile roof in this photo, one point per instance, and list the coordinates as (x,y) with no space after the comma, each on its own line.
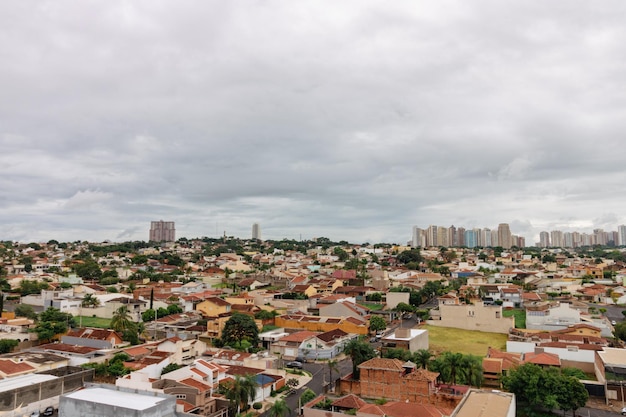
(298,336)
(63,347)
(492,365)
(243,370)
(186,406)
(200,386)
(422,375)
(94,333)
(349,401)
(9,367)
(382,363)
(543,358)
(199,372)
(332,335)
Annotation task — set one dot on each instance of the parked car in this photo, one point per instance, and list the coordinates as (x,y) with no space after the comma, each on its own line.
(294,364)
(49,411)
(624,411)
(35,414)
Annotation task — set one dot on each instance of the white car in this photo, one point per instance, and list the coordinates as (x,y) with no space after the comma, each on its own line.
(624,411)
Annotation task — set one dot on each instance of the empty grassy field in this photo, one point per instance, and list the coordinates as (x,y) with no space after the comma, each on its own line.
(441,339)
(88,321)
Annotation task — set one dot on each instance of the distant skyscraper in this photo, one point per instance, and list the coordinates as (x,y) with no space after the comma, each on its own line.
(504,235)
(416,240)
(544,239)
(161,231)
(621,235)
(256,231)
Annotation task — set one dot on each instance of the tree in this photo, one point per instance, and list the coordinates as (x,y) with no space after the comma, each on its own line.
(90,300)
(536,388)
(89,269)
(307,396)
(453,363)
(333,365)
(359,352)
(25,310)
(620,330)
(170,368)
(472,367)
(404,308)
(52,322)
(7,345)
(377,323)
(279,409)
(240,392)
(121,321)
(239,328)
(148,315)
(422,358)
(408,256)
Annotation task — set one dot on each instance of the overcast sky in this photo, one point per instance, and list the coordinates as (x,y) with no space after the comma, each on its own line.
(353,120)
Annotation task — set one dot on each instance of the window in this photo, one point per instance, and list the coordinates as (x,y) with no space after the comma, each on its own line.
(181,396)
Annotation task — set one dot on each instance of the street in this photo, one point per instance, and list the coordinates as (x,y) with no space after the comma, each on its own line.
(320,378)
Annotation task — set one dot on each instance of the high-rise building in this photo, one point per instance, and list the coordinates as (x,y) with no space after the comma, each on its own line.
(256,231)
(504,235)
(621,235)
(544,239)
(556,238)
(416,240)
(161,231)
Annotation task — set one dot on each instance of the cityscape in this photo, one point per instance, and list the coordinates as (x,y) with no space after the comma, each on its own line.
(175,325)
(312,208)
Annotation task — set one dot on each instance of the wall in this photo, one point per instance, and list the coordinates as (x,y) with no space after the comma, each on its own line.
(474,317)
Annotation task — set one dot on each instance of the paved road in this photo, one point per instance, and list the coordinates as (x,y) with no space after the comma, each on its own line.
(319,381)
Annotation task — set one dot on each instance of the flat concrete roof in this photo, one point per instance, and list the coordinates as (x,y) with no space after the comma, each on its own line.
(414,333)
(121,399)
(485,404)
(23,381)
(613,356)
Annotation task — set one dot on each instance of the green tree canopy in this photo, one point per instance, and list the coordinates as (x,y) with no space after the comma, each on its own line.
(52,322)
(377,323)
(537,388)
(239,328)
(360,352)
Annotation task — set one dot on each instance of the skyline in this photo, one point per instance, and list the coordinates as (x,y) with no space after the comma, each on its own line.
(354,121)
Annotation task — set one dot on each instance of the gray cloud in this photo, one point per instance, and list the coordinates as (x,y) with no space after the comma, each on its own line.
(353,120)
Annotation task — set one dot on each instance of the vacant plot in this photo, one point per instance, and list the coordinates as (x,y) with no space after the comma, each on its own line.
(441,339)
(520,317)
(88,321)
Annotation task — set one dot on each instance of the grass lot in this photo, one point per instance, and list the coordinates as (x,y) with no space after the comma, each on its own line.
(89,321)
(441,339)
(373,306)
(520,317)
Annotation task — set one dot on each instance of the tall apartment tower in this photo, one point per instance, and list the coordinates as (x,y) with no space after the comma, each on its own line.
(504,236)
(161,231)
(416,240)
(256,231)
(544,239)
(621,235)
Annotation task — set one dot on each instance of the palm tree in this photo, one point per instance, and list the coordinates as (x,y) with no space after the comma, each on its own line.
(473,370)
(279,409)
(121,322)
(241,391)
(89,300)
(422,358)
(359,352)
(333,365)
(454,362)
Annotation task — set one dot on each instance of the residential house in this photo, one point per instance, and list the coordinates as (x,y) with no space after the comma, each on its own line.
(498,363)
(94,338)
(407,339)
(394,380)
(344,309)
(323,324)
